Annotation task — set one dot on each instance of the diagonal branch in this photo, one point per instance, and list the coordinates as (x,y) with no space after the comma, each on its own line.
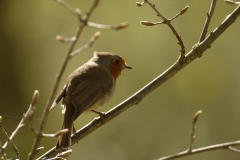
(159,14)
(10,141)
(143,92)
(67,7)
(208,19)
(88,45)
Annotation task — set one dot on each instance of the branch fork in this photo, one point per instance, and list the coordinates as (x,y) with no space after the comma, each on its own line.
(167,22)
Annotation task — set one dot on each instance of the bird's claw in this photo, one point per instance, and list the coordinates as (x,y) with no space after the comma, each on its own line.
(101,115)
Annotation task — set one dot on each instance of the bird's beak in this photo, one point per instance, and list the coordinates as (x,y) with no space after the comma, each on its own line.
(127,66)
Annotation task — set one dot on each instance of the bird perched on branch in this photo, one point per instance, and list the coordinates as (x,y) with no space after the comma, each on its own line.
(88,87)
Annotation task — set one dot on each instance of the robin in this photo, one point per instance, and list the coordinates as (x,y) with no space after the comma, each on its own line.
(89,87)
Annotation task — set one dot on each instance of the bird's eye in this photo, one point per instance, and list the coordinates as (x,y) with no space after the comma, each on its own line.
(117,61)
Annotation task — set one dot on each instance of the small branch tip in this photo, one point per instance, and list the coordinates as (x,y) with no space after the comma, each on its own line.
(140,4)
(234,149)
(196,115)
(231,2)
(35,97)
(78,12)
(95,3)
(65,40)
(147,23)
(39,149)
(184,10)
(121,25)
(95,36)
(60,38)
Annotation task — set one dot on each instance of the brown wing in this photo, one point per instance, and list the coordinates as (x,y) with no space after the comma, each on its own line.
(90,88)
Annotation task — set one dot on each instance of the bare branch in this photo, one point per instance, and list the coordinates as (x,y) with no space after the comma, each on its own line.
(8,140)
(234,149)
(200,150)
(104,26)
(92,7)
(208,19)
(232,2)
(65,40)
(180,13)
(194,121)
(29,115)
(67,7)
(58,133)
(147,23)
(191,151)
(159,14)
(168,22)
(88,45)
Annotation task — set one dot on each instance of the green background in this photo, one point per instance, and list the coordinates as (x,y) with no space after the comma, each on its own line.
(160,125)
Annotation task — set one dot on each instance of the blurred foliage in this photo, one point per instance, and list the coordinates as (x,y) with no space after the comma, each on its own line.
(160,125)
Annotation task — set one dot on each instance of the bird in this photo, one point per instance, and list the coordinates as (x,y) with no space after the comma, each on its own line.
(88,87)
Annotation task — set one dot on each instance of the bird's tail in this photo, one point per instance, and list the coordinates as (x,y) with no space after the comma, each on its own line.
(64,141)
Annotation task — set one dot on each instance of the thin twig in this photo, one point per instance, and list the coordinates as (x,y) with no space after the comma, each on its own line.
(194,122)
(28,114)
(25,116)
(10,141)
(31,118)
(80,28)
(67,7)
(65,40)
(200,150)
(208,19)
(58,133)
(234,149)
(159,14)
(104,26)
(138,96)
(2,154)
(182,11)
(232,2)
(39,149)
(168,22)
(147,23)
(88,45)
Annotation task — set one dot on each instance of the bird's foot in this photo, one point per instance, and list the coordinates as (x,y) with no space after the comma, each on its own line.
(101,114)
